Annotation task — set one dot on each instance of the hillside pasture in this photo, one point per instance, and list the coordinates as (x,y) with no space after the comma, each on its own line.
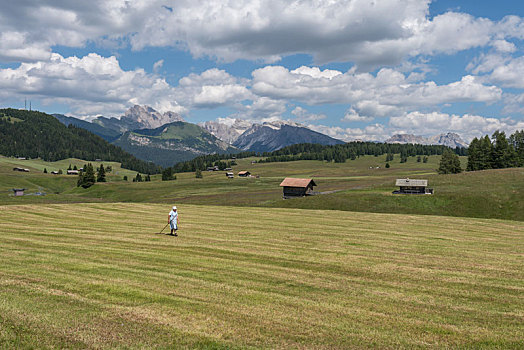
(360,186)
(97,276)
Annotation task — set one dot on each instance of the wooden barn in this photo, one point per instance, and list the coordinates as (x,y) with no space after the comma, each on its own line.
(294,187)
(72,172)
(18,191)
(21,169)
(411,186)
(244,173)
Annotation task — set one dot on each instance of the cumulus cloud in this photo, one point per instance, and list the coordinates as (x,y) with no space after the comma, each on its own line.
(302,115)
(373,132)
(212,88)
(369,33)
(387,93)
(158,65)
(353,116)
(89,85)
(468,126)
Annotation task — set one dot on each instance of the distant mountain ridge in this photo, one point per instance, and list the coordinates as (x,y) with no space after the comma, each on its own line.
(107,134)
(449,139)
(172,143)
(138,117)
(227,130)
(271,136)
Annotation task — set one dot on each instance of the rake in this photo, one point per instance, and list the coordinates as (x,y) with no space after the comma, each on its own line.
(163,228)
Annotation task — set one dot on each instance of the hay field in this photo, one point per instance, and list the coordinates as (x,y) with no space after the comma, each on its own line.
(97,276)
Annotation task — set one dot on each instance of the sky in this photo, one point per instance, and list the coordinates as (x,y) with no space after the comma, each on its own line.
(352,69)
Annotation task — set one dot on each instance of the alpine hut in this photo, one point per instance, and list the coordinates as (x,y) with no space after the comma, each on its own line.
(411,186)
(18,191)
(294,187)
(244,173)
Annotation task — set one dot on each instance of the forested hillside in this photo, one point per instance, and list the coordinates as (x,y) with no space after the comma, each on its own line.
(38,135)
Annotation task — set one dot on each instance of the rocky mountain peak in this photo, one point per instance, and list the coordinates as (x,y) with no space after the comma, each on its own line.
(447,139)
(147,117)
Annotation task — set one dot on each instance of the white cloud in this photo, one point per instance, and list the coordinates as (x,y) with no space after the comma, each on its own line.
(369,33)
(387,93)
(158,65)
(468,126)
(353,116)
(89,85)
(373,132)
(212,88)
(302,114)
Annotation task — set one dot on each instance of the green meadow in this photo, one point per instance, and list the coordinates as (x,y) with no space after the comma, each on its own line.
(97,275)
(362,185)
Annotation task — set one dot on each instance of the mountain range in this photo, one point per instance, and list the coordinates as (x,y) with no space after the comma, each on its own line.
(165,138)
(171,143)
(271,136)
(138,117)
(449,139)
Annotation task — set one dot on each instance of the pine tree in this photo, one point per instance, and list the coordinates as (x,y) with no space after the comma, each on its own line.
(503,155)
(86,178)
(138,177)
(517,142)
(101,174)
(419,159)
(125,177)
(486,153)
(474,155)
(198,174)
(425,159)
(387,165)
(449,163)
(69,167)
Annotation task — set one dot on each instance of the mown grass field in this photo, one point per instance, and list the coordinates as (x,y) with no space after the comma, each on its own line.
(97,276)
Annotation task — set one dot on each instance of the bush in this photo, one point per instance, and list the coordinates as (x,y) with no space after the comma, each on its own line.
(198,174)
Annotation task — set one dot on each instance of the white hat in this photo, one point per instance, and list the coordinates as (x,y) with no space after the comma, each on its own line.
(174,207)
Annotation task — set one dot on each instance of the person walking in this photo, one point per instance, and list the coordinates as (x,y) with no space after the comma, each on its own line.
(173,221)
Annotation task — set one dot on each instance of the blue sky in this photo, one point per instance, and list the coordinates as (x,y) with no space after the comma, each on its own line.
(353,69)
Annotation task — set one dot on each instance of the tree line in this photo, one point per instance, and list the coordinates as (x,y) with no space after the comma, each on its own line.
(308,151)
(38,135)
(496,153)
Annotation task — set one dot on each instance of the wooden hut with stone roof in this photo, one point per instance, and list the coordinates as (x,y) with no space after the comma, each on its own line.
(412,186)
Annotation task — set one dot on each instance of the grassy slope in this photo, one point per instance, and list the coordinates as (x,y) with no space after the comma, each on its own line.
(96,275)
(36,180)
(489,194)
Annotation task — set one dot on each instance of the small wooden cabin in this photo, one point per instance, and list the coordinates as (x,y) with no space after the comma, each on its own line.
(411,186)
(18,191)
(244,173)
(72,172)
(230,175)
(21,169)
(294,187)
